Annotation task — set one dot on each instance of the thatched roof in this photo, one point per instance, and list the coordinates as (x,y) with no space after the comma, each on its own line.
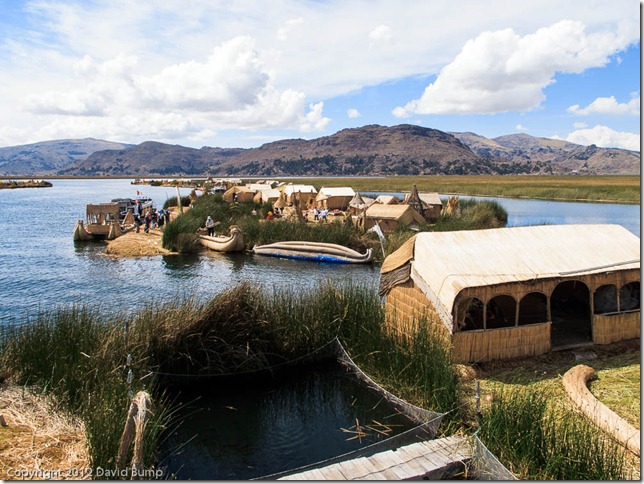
(387,199)
(360,202)
(445,263)
(256,187)
(430,198)
(393,212)
(337,192)
(290,189)
(102,208)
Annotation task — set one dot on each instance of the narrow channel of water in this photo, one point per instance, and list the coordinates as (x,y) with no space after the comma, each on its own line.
(276,425)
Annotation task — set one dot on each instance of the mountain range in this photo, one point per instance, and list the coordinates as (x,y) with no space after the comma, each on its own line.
(369,150)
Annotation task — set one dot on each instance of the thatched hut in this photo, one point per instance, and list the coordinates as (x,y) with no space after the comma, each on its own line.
(390,217)
(358,204)
(243,194)
(266,196)
(305,194)
(521,291)
(428,204)
(333,198)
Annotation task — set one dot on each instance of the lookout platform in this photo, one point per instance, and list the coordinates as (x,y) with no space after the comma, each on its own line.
(431,459)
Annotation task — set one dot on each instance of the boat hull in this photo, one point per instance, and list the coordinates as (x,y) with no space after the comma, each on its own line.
(314,251)
(87,232)
(232,243)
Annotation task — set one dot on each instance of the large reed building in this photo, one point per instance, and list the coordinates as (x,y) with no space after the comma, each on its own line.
(521,291)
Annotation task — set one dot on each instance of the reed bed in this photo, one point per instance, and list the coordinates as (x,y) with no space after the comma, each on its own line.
(612,189)
(77,356)
(523,428)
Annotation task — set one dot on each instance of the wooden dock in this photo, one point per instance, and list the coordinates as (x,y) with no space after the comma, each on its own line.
(431,459)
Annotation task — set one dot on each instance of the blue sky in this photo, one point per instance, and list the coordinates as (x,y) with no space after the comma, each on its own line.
(243,73)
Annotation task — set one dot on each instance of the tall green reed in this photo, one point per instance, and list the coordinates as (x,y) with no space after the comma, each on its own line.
(523,426)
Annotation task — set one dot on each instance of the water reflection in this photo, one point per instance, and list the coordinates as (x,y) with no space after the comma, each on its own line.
(276,425)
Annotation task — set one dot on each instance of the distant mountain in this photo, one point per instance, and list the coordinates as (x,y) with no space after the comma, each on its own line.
(47,157)
(370,150)
(562,156)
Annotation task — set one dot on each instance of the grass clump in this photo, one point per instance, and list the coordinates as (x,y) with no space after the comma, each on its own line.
(521,427)
(77,356)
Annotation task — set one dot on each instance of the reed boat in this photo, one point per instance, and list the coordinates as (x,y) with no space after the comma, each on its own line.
(224,243)
(314,251)
(102,222)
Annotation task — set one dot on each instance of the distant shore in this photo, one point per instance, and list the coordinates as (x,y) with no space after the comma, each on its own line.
(9,184)
(572,188)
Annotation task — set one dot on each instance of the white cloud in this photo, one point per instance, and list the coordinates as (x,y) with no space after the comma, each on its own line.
(605,137)
(284,32)
(401,112)
(353,113)
(608,105)
(380,35)
(231,89)
(503,71)
(315,121)
(520,127)
(579,125)
(206,66)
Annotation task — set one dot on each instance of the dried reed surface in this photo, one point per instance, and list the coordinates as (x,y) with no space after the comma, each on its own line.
(132,244)
(39,438)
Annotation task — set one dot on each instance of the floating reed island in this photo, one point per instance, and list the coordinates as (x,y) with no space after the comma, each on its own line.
(289,215)
(8,184)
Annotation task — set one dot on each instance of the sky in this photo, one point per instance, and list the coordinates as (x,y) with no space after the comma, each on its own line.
(242,73)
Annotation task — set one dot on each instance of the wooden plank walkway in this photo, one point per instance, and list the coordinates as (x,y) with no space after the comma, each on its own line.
(430,459)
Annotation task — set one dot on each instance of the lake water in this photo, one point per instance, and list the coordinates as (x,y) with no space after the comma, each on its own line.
(276,426)
(41,267)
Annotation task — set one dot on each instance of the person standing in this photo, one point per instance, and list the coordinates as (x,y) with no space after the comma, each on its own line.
(148,220)
(210,225)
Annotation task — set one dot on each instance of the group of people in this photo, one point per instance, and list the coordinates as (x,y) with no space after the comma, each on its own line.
(151,219)
(320,214)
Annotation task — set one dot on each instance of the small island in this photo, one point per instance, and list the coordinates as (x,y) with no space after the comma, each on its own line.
(24,184)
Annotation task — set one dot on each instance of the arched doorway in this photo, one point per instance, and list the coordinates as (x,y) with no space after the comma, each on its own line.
(570,311)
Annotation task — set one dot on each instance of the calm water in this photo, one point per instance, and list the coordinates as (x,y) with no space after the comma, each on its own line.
(41,267)
(279,426)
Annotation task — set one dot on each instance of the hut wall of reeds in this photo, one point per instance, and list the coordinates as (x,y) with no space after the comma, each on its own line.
(333,198)
(390,217)
(522,291)
(305,195)
(616,327)
(243,194)
(501,343)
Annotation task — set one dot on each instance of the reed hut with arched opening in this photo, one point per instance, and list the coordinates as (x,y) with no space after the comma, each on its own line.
(521,291)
